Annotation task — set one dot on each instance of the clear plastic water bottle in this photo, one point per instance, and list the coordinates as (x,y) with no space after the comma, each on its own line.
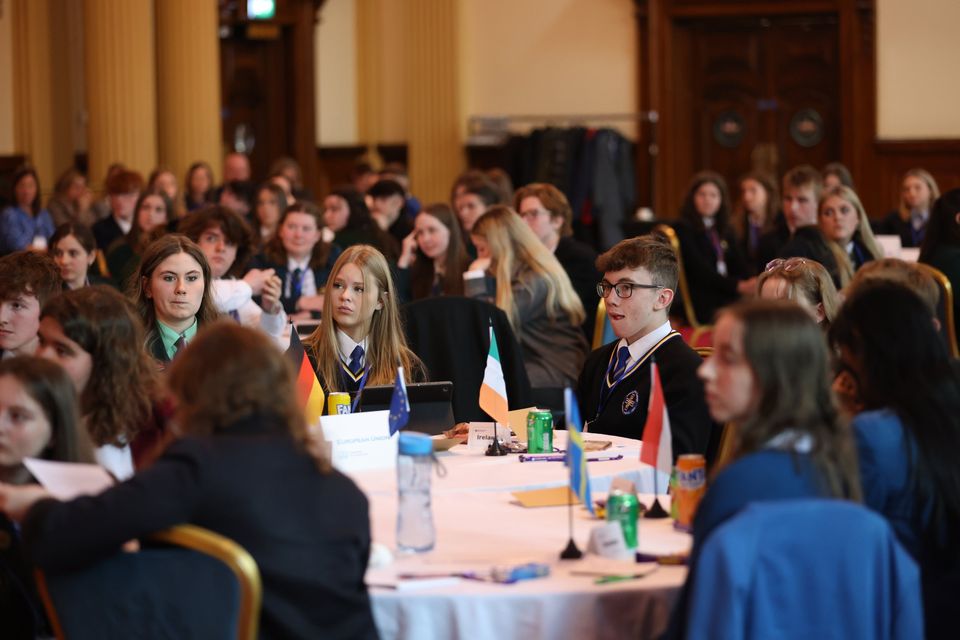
(415,531)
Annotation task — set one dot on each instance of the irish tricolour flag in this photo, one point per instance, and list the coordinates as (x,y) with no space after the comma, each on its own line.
(493,391)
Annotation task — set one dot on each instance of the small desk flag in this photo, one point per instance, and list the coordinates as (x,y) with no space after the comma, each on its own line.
(576,457)
(493,391)
(309,391)
(399,404)
(657,449)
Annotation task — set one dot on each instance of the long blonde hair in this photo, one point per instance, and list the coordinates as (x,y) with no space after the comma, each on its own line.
(513,247)
(924,175)
(386,342)
(863,233)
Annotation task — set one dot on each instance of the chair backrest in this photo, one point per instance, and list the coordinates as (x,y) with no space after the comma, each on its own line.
(667,231)
(602,329)
(199,585)
(804,569)
(948,328)
(451,336)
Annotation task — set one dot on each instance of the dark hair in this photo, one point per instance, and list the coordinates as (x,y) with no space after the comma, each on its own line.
(281,197)
(21,173)
(769,185)
(198,166)
(66,179)
(804,176)
(422,272)
(157,252)
(688,210)
(552,200)
(649,252)
(904,366)
(279,167)
(244,190)
(484,189)
(943,228)
(276,253)
(29,272)
(79,231)
(50,387)
(501,181)
(788,357)
(123,182)
(359,218)
(234,228)
(385,188)
(118,397)
(839,170)
(138,238)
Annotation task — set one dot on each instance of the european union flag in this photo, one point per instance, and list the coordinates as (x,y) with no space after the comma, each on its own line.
(576,456)
(399,404)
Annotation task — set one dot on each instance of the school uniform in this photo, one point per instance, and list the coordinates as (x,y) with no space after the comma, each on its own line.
(808,242)
(619,407)
(714,267)
(298,278)
(163,343)
(353,364)
(108,230)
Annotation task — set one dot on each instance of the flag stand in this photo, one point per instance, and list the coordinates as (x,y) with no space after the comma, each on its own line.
(656,511)
(495,448)
(571,552)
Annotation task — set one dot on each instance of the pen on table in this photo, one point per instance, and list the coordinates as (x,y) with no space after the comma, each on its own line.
(560,458)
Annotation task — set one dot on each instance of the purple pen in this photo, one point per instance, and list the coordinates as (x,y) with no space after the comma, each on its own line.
(560,458)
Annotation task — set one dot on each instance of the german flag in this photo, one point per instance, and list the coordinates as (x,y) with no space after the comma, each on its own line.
(309,390)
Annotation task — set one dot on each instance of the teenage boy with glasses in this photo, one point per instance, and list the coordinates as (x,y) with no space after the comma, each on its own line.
(639,280)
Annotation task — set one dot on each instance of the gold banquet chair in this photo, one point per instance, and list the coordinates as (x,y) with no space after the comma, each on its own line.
(196,584)
(945,307)
(667,232)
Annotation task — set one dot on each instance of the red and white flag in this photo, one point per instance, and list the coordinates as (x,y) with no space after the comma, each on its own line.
(657,449)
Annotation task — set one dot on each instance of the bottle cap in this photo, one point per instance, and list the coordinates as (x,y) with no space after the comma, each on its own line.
(415,444)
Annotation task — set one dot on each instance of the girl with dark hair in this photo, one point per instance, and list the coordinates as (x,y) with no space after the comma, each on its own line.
(72,199)
(770,375)
(433,258)
(38,419)
(715,268)
(269,206)
(360,335)
(301,258)
(24,224)
(243,467)
(346,214)
(908,437)
(756,215)
(95,335)
(172,294)
(74,249)
(941,245)
(151,216)
(198,186)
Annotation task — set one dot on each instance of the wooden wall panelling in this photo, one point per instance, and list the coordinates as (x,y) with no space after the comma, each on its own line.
(335,166)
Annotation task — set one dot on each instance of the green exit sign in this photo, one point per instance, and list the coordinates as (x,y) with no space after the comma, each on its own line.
(261,9)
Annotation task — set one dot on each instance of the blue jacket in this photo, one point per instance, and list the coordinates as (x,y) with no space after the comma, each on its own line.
(18,228)
(805,569)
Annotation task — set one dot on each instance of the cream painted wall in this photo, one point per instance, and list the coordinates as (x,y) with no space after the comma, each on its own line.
(548,57)
(917,53)
(7,143)
(336,74)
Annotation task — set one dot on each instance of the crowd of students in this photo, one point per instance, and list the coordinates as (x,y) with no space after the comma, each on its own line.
(179,381)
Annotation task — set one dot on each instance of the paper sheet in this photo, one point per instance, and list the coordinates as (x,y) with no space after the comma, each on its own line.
(67,480)
(554,497)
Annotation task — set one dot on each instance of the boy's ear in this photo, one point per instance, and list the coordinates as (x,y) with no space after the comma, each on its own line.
(664,298)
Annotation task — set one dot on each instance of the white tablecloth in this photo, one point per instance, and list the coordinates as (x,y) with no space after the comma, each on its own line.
(480,526)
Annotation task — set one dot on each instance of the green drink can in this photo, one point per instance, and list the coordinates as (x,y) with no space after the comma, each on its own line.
(625,509)
(539,432)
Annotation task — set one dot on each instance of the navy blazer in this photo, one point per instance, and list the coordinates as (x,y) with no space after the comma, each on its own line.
(320,275)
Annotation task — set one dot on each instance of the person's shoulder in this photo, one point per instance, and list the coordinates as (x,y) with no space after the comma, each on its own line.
(599,355)
(769,464)
(675,353)
(881,428)
(571,250)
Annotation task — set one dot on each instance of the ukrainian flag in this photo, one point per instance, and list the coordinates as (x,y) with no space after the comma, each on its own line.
(576,456)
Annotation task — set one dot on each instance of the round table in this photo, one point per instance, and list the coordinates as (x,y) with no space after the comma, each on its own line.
(480,525)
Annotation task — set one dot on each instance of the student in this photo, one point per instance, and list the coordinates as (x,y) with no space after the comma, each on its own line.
(433,258)
(473,198)
(941,245)
(908,436)
(153,212)
(758,220)
(805,282)
(172,295)
(24,224)
(198,186)
(123,191)
(95,335)
(302,259)
(846,228)
(639,280)
(548,214)
(909,220)
(535,293)
(243,468)
(836,174)
(387,199)
(360,334)
(27,280)
(163,181)
(71,200)
(38,419)
(268,209)
(226,241)
(74,249)
(769,374)
(716,270)
(346,214)
(801,196)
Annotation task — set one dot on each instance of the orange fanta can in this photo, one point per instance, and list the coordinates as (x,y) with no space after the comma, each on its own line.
(691,485)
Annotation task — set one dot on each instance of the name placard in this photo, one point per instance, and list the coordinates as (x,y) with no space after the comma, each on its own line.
(360,441)
(606,540)
(480,435)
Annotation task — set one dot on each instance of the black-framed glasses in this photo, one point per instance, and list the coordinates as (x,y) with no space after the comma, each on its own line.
(623,289)
(788,264)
